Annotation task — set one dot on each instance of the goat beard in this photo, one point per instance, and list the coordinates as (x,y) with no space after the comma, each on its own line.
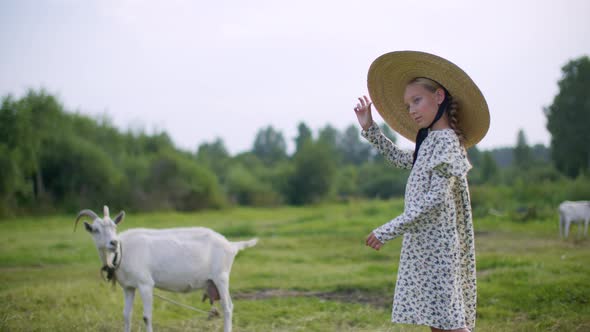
(107,257)
(110,256)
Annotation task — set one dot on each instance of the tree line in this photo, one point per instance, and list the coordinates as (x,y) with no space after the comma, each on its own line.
(53,160)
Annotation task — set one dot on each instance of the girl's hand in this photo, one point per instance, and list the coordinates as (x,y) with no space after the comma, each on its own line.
(373,242)
(363,112)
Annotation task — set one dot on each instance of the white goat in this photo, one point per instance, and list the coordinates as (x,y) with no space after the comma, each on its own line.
(573,212)
(175,259)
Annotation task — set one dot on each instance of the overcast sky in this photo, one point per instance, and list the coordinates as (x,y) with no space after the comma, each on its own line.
(205,69)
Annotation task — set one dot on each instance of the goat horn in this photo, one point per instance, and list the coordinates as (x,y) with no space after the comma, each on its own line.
(87,213)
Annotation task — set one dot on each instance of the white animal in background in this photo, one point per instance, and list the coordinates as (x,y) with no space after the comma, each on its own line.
(573,212)
(175,259)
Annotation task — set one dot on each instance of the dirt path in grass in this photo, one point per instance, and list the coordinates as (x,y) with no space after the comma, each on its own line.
(347,296)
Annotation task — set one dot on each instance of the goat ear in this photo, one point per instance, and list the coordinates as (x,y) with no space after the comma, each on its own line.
(119,217)
(88,227)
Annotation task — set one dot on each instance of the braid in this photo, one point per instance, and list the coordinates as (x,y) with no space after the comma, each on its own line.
(452,111)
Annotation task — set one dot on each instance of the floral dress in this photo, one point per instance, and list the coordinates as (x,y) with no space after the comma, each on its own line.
(436,284)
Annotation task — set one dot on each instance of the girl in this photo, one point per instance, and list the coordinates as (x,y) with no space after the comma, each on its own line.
(432,101)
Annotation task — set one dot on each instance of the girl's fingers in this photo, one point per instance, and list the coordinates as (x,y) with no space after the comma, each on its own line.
(376,244)
(358,108)
(364,104)
(373,242)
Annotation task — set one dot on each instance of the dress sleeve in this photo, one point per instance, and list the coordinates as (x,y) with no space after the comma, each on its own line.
(396,156)
(408,221)
(448,160)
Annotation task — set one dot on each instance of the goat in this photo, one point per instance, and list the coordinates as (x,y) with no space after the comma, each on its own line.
(174,259)
(573,212)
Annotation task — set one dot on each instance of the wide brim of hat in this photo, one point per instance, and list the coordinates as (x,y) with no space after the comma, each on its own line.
(390,74)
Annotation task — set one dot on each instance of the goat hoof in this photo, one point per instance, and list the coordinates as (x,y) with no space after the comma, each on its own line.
(213,313)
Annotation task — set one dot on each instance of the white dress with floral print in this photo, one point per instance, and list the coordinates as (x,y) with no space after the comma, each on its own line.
(436,283)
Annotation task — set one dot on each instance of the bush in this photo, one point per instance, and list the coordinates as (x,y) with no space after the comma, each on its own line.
(176,182)
(78,173)
(379,180)
(528,199)
(313,176)
(346,183)
(245,189)
(580,188)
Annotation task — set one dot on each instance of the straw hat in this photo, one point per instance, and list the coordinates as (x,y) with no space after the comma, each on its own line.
(390,73)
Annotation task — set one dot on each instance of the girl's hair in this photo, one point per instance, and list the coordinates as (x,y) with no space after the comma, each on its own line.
(452,109)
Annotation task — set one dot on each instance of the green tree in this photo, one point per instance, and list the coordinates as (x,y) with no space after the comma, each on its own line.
(244,188)
(269,145)
(27,127)
(15,161)
(79,173)
(304,135)
(214,151)
(346,182)
(330,136)
(568,119)
(313,175)
(380,180)
(522,152)
(488,167)
(353,150)
(474,156)
(214,155)
(175,181)
(54,160)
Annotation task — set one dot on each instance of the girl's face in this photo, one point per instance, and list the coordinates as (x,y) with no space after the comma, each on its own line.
(422,104)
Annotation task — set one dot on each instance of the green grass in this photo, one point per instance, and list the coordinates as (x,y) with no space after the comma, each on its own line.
(309,272)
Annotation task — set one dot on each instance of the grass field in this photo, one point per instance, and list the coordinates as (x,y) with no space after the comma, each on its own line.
(309,272)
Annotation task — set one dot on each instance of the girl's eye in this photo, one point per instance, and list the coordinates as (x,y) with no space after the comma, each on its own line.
(417,100)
